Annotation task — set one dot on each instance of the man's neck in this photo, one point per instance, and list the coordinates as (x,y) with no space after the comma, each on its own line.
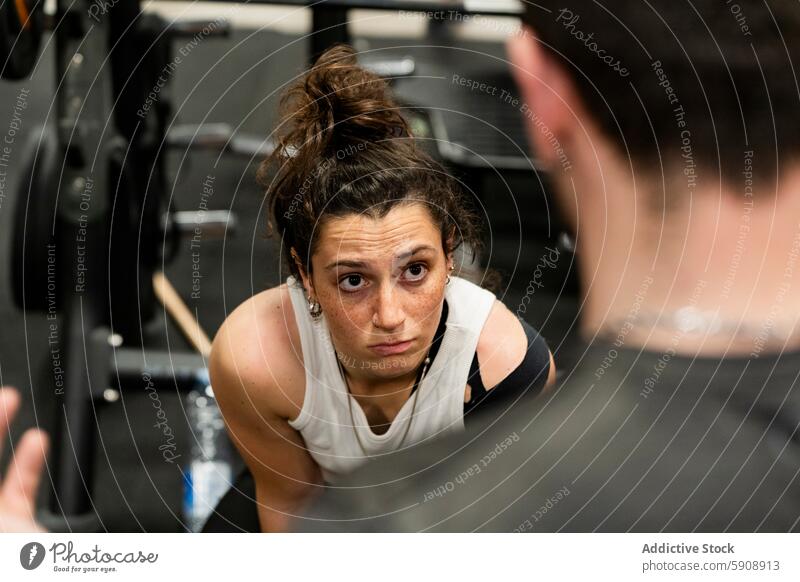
(719,274)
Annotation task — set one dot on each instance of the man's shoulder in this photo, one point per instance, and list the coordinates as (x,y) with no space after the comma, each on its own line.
(599,454)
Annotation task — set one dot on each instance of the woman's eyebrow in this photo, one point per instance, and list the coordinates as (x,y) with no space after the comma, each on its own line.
(414,251)
(353,264)
(346,263)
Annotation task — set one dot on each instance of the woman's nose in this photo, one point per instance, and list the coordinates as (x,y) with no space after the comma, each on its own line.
(388,314)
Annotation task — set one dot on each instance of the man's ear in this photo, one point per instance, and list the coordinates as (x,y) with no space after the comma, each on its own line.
(306,279)
(549,101)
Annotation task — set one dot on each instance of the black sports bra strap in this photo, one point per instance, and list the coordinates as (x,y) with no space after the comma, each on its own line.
(529,377)
(478,390)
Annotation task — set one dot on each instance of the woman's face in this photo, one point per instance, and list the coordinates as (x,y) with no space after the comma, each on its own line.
(380,283)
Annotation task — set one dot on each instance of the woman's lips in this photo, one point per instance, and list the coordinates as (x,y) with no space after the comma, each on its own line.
(391,349)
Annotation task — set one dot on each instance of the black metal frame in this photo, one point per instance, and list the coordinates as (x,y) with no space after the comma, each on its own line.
(329,18)
(111,188)
(407,5)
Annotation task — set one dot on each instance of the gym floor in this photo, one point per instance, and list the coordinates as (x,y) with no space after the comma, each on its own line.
(232,80)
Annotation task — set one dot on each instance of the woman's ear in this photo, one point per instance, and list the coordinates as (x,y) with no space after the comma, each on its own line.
(449,244)
(306,279)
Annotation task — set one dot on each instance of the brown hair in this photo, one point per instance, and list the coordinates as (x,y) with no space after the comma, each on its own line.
(343,147)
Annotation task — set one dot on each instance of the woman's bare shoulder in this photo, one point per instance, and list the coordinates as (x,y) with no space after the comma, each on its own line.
(502,345)
(257,348)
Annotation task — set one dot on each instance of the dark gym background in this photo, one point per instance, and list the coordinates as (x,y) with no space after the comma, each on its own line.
(134,488)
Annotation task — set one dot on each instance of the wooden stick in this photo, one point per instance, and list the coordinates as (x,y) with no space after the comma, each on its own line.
(180,313)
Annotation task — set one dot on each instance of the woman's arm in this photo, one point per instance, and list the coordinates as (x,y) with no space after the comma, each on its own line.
(250,381)
(551,374)
(506,347)
(512,358)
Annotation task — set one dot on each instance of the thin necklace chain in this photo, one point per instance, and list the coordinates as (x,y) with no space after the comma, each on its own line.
(416,389)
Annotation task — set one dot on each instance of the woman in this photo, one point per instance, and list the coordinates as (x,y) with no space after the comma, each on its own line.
(373,344)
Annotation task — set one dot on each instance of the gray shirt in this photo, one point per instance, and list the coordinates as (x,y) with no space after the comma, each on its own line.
(629,441)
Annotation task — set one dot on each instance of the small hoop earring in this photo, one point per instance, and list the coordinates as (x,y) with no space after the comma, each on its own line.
(314,309)
(447,281)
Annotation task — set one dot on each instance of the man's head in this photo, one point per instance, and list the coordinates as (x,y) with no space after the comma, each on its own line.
(680,124)
(687,86)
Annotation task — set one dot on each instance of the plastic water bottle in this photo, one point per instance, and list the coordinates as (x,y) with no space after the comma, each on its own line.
(210,472)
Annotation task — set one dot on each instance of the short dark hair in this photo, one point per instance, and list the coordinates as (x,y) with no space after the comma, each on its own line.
(343,148)
(694,85)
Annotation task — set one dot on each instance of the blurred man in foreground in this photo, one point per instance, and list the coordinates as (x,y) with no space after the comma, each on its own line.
(672,137)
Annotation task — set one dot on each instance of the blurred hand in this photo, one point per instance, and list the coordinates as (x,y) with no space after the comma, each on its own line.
(21,482)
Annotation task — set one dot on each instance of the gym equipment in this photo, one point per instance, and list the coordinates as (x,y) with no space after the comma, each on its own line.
(92,224)
(180,313)
(329,18)
(21,24)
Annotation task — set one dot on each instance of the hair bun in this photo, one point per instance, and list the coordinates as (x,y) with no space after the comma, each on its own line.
(336,103)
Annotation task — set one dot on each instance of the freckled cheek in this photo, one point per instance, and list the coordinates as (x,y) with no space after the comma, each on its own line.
(423,306)
(345,316)
(353,315)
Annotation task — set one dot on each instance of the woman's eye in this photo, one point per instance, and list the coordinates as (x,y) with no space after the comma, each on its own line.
(416,272)
(351,283)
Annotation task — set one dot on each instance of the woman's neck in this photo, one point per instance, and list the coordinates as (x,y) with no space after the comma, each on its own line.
(380,386)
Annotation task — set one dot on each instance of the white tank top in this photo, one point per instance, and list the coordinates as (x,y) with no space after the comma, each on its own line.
(324,420)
